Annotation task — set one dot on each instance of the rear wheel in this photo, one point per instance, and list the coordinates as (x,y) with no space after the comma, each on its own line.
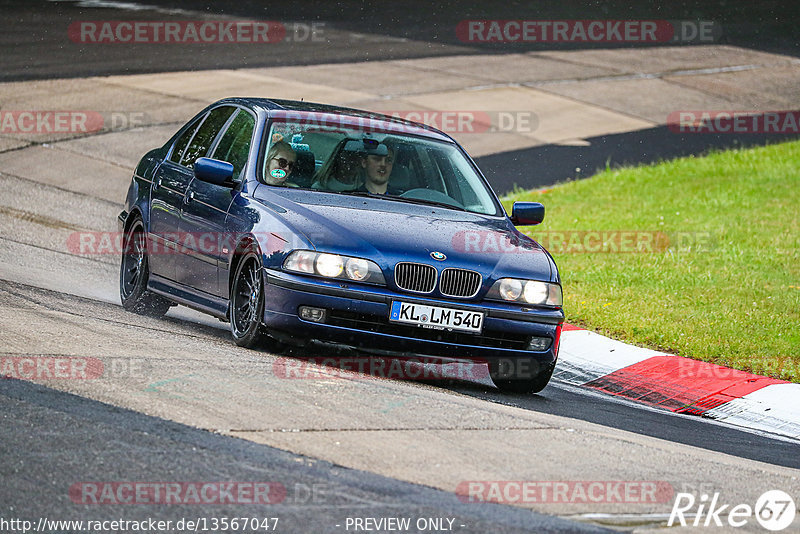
(134,272)
(520,375)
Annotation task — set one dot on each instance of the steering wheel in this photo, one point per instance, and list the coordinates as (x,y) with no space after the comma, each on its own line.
(430,194)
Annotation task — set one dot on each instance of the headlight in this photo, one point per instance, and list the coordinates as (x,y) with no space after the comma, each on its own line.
(329,265)
(526,291)
(535,292)
(334,266)
(357,269)
(301,261)
(510,289)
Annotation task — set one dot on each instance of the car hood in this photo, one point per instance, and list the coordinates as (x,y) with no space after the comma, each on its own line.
(390,231)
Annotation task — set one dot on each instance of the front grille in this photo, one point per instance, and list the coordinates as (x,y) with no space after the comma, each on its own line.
(375,323)
(459,283)
(415,277)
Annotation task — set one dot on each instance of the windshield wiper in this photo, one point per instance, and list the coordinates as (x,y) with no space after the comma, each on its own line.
(404,199)
(356,193)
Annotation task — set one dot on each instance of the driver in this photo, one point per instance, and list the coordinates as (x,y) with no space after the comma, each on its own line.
(279,163)
(377,171)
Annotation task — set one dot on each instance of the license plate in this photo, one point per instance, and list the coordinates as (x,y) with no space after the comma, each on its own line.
(436,317)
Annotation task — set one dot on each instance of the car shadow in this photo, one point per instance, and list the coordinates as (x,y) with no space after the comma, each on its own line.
(328,362)
(331,360)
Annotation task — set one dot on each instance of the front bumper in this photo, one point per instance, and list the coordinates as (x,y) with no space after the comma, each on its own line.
(358,316)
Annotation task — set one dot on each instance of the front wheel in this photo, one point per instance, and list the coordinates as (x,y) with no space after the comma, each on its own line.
(520,375)
(247,303)
(134,272)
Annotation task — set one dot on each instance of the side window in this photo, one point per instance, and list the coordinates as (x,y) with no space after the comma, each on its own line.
(183,140)
(234,147)
(199,145)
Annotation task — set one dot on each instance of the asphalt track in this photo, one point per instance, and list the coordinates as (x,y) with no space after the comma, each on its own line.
(56,438)
(103,443)
(206,410)
(34,43)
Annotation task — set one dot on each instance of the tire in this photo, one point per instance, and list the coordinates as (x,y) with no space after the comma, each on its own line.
(247,303)
(531,383)
(134,272)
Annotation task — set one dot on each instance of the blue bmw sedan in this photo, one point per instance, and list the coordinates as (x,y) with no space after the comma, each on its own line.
(298,222)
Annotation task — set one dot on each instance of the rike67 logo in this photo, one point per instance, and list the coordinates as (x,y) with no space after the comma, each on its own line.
(774,510)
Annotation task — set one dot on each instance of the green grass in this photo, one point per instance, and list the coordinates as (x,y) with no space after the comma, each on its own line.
(727,288)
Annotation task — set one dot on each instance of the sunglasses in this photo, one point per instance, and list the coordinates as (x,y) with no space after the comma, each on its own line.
(284,163)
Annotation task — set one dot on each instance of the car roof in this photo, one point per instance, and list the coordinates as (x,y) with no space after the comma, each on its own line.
(351,116)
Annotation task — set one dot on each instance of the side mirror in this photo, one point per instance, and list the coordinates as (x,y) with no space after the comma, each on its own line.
(527,213)
(213,171)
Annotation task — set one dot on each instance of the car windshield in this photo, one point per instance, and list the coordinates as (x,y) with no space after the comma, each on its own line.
(395,165)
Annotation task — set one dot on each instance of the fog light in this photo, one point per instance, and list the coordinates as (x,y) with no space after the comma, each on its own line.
(539,344)
(315,315)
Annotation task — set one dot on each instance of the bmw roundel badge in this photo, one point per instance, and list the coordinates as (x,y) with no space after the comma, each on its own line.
(438,256)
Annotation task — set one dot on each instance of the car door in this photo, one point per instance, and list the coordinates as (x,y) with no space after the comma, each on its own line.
(205,207)
(170,182)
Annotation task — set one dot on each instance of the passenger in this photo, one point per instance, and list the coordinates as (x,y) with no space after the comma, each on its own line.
(377,171)
(340,173)
(281,158)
